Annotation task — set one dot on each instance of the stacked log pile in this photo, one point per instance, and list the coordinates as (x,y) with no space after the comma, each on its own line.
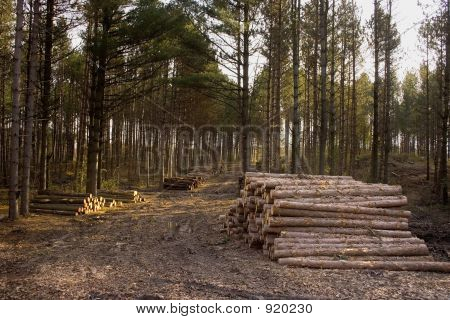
(118,198)
(73,204)
(328,222)
(67,204)
(187,183)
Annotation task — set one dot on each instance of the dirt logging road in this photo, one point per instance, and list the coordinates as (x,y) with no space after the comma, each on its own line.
(171,247)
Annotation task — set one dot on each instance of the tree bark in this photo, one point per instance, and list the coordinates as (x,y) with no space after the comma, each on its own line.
(323,84)
(29,109)
(296,152)
(46,93)
(15,114)
(96,107)
(387,108)
(375,139)
(335,223)
(405,250)
(245,86)
(280,205)
(332,138)
(368,265)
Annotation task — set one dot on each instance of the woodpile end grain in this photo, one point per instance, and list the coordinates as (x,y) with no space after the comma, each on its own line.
(186,183)
(330,222)
(73,204)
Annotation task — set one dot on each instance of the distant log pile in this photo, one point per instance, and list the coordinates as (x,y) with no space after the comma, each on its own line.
(187,183)
(328,222)
(73,204)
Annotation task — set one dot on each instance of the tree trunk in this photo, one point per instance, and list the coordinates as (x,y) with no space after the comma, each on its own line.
(375,139)
(96,107)
(336,223)
(295,20)
(368,265)
(387,108)
(276,147)
(323,84)
(15,115)
(354,138)
(29,109)
(404,250)
(245,87)
(332,137)
(47,83)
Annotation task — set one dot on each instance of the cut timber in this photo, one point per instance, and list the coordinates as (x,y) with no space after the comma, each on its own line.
(378,202)
(60,207)
(131,193)
(293,176)
(368,265)
(370,258)
(79,201)
(344,240)
(57,212)
(326,187)
(405,250)
(272,184)
(320,222)
(340,208)
(362,244)
(292,231)
(66,195)
(380,191)
(282,212)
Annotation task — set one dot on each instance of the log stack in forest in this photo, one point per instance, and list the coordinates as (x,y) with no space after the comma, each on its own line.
(186,183)
(73,204)
(330,222)
(121,197)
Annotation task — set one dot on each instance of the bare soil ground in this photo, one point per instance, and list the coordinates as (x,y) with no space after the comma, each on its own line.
(171,248)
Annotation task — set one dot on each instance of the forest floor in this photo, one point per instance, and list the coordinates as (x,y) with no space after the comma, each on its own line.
(171,247)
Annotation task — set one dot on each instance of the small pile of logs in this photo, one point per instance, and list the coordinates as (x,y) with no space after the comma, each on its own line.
(118,198)
(330,222)
(186,183)
(66,204)
(73,204)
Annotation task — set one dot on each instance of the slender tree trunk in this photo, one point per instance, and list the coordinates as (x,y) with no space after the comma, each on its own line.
(267,135)
(15,115)
(287,130)
(96,112)
(427,84)
(315,122)
(342,111)
(332,142)
(323,85)
(29,110)
(245,86)
(47,82)
(276,148)
(387,133)
(354,145)
(295,20)
(443,171)
(4,143)
(375,139)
